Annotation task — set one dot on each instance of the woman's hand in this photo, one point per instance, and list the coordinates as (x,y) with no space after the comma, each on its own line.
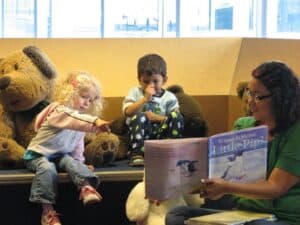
(212,188)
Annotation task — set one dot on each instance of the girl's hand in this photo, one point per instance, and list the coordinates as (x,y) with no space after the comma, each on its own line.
(90,167)
(103,125)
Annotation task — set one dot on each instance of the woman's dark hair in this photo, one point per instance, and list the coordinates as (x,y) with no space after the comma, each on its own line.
(283,85)
(152,64)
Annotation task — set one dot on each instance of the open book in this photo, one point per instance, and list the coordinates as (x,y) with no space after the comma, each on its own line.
(176,166)
(232,217)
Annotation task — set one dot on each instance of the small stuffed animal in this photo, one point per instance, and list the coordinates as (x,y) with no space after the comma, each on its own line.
(101,149)
(241,91)
(26,85)
(195,124)
(144,212)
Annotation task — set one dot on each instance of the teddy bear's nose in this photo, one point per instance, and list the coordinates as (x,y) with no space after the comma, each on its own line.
(4,82)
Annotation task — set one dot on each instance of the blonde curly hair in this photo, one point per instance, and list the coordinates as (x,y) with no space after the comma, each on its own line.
(75,82)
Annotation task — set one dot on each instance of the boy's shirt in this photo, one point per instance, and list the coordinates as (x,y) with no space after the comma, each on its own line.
(161,105)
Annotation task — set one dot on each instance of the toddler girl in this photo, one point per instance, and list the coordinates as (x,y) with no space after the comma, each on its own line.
(59,143)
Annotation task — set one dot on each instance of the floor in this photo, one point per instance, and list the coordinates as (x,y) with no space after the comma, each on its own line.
(15,208)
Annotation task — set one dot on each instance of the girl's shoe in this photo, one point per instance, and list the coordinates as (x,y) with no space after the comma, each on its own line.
(89,195)
(50,217)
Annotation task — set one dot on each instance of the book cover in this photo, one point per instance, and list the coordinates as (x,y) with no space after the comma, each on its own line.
(239,155)
(232,217)
(176,166)
(173,166)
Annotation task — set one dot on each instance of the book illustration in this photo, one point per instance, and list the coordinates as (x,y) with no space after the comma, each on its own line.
(187,167)
(176,166)
(235,170)
(239,156)
(232,217)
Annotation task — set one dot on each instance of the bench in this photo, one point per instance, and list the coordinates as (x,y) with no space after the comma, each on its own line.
(118,171)
(117,180)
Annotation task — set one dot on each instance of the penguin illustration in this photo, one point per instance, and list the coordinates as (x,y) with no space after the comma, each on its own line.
(235,169)
(187,167)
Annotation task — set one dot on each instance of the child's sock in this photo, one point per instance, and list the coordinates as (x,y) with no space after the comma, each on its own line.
(47,207)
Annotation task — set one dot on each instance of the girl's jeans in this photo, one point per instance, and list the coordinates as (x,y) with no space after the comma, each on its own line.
(44,184)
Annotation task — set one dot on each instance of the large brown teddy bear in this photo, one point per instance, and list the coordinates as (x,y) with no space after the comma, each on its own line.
(26,85)
(195,124)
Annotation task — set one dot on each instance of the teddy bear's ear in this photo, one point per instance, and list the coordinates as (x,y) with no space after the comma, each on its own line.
(175,89)
(241,87)
(41,60)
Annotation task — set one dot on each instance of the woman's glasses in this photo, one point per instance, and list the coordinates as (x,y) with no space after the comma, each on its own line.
(256,97)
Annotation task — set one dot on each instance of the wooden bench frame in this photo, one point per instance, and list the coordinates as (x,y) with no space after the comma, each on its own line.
(119,172)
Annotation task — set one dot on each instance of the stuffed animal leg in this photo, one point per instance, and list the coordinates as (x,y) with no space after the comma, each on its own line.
(143,212)
(137,207)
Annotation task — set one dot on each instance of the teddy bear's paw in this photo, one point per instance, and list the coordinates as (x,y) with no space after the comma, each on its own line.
(10,154)
(4,151)
(102,149)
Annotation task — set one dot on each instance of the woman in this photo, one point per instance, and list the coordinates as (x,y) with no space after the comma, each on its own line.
(274,100)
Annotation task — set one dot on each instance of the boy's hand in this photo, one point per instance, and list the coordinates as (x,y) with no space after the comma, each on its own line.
(154,117)
(149,91)
(103,125)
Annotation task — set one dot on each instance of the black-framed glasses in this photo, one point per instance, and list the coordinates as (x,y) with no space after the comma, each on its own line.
(256,97)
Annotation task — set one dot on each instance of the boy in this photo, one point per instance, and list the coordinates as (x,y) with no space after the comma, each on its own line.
(152,112)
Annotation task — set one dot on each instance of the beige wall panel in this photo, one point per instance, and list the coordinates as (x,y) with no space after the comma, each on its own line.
(253,52)
(203,66)
(234,110)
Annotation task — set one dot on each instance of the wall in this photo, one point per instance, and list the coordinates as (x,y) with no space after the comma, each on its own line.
(190,61)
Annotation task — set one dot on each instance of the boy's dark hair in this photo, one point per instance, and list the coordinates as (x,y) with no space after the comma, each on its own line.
(152,64)
(284,87)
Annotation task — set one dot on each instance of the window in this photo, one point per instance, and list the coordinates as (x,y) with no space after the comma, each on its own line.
(18,18)
(80,18)
(283,18)
(133,18)
(217,18)
(169,18)
(149,18)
